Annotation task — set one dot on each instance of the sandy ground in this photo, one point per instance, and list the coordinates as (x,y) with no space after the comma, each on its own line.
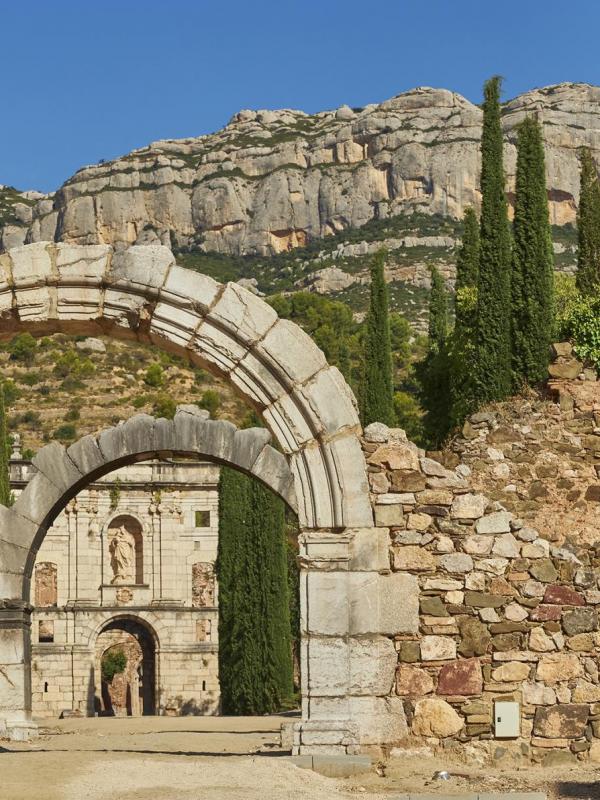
(220,758)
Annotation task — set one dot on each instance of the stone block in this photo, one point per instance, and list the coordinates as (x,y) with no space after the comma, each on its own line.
(380,720)
(397,456)
(190,290)
(331,401)
(456,563)
(581,620)
(413,681)
(561,721)
(468,506)
(369,549)
(506,546)
(388,515)
(436,717)
(37,499)
(556,667)
(496,522)
(272,468)
(463,677)
(385,604)
(437,648)
(563,595)
(511,672)
(413,558)
(474,637)
(537,694)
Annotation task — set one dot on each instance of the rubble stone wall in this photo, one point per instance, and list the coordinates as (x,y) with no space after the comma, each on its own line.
(501,532)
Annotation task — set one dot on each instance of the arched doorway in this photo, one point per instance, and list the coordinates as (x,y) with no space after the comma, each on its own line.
(125,666)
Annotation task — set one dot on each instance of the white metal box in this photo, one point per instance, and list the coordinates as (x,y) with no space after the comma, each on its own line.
(507,719)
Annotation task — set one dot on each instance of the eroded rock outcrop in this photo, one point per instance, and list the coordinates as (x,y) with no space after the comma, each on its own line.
(272,180)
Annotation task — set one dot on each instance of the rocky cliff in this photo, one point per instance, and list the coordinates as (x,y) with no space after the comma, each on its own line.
(273,180)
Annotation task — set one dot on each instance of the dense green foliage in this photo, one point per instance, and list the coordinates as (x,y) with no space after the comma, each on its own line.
(463,346)
(588,226)
(493,368)
(532,279)
(22,348)
(376,393)
(578,319)
(113,663)
(6,496)
(329,322)
(255,653)
(333,327)
(435,369)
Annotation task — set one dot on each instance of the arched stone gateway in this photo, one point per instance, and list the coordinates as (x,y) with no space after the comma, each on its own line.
(352,604)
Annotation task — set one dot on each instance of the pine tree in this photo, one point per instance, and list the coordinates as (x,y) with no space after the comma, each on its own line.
(532,281)
(493,372)
(463,340)
(377,389)
(434,371)
(588,227)
(6,496)
(255,656)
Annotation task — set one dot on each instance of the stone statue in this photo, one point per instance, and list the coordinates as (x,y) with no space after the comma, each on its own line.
(122,556)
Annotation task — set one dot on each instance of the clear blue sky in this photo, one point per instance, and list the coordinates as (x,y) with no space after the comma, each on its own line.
(83,80)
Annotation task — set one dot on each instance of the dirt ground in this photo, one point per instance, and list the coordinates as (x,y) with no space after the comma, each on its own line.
(220,758)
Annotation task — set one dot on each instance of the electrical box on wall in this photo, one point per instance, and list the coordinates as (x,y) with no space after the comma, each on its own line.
(507,719)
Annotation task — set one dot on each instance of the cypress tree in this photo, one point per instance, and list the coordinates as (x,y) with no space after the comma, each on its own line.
(532,282)
(6,496)
(434,371)
(588,227)
(255,656)
(493,373)
(377,390)
(463,341)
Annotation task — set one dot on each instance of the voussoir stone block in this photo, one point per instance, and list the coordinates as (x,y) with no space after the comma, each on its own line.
(142,267)
(188,289)
(247,446)
(293,351)
(243,314)
(37,499)
(86,455)
(53,462)
(273,469)
(138,433)
(331,400)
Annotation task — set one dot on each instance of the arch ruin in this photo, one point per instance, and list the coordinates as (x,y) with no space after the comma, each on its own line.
(352,604)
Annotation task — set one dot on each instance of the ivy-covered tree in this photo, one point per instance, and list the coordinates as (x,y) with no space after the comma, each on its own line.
(377,387)
(493,371)
(255,654)
(463,342)
(435,369)
(532,278)
(6,496)
(588,227)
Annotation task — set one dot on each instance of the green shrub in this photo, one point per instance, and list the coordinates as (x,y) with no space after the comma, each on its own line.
(164,406)
(584,329)
(65,433)
(30,378)
(566,298)
(139,401)
(72,414)
(22,348)
(70,364)
(210,401)
(71,384)
(11,393)
(154,376)
(113,663)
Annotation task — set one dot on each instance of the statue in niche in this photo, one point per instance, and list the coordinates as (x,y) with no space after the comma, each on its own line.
(122,556)
(203,585)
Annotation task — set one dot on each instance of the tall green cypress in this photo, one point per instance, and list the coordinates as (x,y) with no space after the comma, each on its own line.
(532,282)
(463,341)
(377,389)
(255,656)
(434,371)
(6,496)
(588,226)
(493,374)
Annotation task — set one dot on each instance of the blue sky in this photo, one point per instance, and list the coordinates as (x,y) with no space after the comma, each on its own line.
(82,80)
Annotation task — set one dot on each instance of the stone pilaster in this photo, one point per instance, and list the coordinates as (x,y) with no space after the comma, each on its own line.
(15,670)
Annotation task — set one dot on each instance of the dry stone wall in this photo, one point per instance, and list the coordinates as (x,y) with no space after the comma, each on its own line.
(508,597)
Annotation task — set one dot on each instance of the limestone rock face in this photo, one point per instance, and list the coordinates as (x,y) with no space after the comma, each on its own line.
(272,180)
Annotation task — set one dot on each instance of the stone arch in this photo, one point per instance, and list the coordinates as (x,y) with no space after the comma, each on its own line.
(62,472)
(350,599)
(140,293)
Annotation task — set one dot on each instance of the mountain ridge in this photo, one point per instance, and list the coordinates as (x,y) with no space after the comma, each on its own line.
(270,181)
